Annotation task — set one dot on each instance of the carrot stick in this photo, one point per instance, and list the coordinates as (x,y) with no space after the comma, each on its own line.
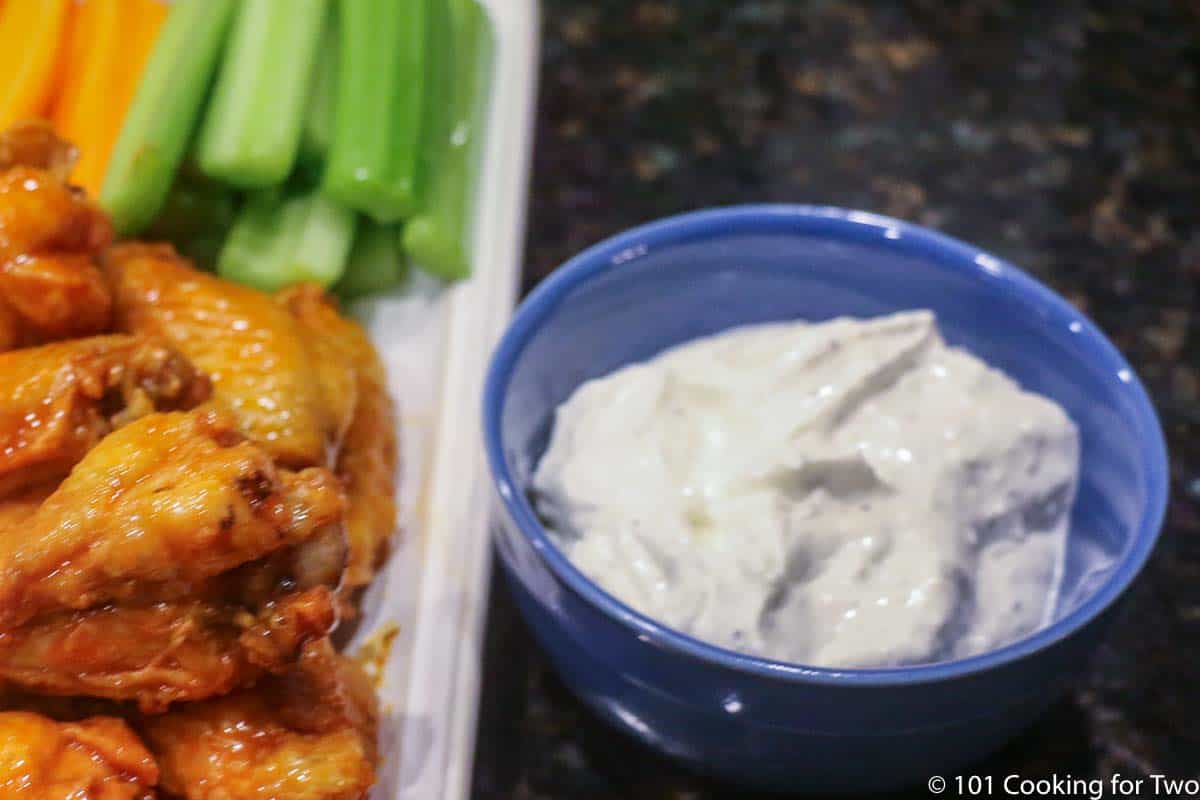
(31,39)
(90,65)
(109,44)
(72,53)
(150,15)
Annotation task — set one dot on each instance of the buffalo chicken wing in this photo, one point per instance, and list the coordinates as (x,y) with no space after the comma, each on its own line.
(306,735)
(50,238)
(59,400)
(156,509)
(195,476)
(93,759)
(262,370)
(162,653)
(367,460)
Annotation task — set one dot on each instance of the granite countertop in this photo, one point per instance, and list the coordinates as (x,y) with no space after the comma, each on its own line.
(1064,136)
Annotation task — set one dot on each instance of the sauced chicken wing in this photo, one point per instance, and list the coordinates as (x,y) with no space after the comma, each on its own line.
(93,759)
(50,236)
(308,735)
(58,400)
(162,653)
(181,502)
(253,349)
(367,463)
(156,509)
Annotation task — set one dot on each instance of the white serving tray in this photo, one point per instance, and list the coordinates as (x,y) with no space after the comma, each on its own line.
(435,342)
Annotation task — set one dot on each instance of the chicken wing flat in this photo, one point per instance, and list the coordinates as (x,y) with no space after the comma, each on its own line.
(308,735)
(93,759)
(367,462)
(252,348)
(154,511)
(50,237)
(58,400)
(163,653)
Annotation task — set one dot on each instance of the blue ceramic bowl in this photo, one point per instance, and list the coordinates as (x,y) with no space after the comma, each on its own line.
(789,726)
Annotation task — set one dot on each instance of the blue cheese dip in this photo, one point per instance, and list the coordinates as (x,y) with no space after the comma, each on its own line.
(853,493)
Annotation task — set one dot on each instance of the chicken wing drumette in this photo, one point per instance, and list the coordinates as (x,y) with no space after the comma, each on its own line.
(93,759)
(306,735)
(50,238)
(176,561)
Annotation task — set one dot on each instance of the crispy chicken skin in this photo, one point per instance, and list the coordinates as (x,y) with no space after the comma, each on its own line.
(50,237)
(307,735)
(252,348)
(58,400)
(367,462)
(163,653)
(93,759)
(156,509)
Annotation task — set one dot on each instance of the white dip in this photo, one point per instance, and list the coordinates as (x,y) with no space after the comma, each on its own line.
(853,493)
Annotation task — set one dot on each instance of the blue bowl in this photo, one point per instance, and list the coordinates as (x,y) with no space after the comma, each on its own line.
(788,726)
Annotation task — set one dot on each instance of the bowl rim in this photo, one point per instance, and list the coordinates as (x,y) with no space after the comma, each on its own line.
(838,224)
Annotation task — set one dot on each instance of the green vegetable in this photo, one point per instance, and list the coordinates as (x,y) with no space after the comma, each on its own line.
(280,239)
(378,107)
(376,262)
(164,111)
(195,217)
(251,131)
(318,120)
(438,237)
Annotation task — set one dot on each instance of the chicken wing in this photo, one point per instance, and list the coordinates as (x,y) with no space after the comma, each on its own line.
(367,462)
(308,735)
(156,509)
(93,759)
(50,237)
(163,653)
(58,400)
(252,348)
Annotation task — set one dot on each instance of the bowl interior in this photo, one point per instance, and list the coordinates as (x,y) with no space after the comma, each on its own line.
(630,298)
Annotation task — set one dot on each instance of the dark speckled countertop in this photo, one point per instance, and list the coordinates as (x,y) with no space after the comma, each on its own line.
(1064,136)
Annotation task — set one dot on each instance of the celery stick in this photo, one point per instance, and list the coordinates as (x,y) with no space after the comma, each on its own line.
(438,237)
(164,112)
(279,240)
(251,131)
(195,218)
(318,120)
(378,107)
(376,262)
(203,250)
